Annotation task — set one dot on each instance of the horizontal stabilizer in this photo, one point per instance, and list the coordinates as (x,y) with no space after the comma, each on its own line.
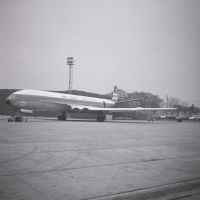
(125,101)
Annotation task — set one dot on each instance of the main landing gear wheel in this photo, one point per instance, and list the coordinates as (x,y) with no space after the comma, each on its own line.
(15,119)
(62,117)
(18,119)
(10,119)
(101,118)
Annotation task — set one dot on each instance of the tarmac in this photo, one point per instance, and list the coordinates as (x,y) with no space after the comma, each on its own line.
(45,159)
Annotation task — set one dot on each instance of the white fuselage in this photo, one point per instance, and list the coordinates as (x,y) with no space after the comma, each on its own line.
(54,102)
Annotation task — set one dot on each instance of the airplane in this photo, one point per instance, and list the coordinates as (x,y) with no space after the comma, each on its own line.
(33,101)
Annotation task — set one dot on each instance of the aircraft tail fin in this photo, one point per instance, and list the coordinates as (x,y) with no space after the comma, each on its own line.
(115,96)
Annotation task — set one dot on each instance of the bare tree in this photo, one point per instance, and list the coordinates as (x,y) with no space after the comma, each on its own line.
(173,102)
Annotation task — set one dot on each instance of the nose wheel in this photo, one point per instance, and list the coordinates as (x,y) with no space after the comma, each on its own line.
(16,119)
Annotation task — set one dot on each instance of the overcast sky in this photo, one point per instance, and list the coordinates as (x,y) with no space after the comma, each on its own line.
(138,45)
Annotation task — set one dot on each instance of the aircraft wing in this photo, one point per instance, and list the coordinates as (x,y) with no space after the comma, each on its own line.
(111,110)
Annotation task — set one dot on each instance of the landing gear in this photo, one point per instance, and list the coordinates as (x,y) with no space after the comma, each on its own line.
(17,118)
(179,119)
(62,117)
(101,117)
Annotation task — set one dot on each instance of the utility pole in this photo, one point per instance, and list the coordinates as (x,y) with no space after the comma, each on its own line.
(70,62)
(167,104)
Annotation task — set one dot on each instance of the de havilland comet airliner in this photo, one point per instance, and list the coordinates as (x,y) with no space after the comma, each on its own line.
(32,101)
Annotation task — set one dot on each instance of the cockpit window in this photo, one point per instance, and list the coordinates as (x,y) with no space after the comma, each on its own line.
(17,96)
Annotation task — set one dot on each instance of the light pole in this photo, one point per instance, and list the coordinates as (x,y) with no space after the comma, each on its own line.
(70,62)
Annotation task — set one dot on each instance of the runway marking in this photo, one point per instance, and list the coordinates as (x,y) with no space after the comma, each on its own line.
(98,166)
(28,184)
(185,196)
(103,148)
(146,189)
(20,157)
(99,138)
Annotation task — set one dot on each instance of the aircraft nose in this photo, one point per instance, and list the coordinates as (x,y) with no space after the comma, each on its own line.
(7,101)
